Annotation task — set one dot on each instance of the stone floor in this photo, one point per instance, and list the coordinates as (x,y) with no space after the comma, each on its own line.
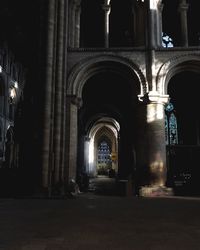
(94,221)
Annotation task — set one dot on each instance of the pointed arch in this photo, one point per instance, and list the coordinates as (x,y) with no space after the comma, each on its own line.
(105,129)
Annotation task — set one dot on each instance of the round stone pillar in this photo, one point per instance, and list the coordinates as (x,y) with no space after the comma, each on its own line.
(154,23)
(159,20)
(74,23)
(73,103)
(139,15)
(86,154)
(156,139)
(77,24)
(152,149)
(106,7)
(183,8)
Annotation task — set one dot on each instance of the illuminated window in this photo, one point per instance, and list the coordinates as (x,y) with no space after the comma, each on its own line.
(167,41)
(104,153)
(12,94)
(171,131)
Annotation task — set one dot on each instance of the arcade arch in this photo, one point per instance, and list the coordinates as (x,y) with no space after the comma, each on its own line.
(182,86)
(108,91)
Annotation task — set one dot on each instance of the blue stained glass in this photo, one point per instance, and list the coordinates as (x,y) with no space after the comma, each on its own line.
(104,152)
(167,41)
(166,130)
(171,131)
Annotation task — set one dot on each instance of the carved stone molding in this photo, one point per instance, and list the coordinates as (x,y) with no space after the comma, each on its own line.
(154,97)
(75,100)
(175,65)
(87,67)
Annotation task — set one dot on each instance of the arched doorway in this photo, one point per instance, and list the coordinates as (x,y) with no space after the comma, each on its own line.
(183,154)
(102,154)
(107,121)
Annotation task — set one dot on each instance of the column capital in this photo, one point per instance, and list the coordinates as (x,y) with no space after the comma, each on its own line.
(153,97)
(77,2)
(183,7)
(87,138)
(138,2)
(153,4)
(106,7)
(76,5)
(160,6)
(138,5)
(75,100)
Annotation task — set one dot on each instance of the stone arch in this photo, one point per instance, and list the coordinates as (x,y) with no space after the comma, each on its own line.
(90,66)
(107,128)
(105,133)
(100,119)
(173,66)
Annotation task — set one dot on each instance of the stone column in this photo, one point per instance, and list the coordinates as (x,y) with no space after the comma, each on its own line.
(58,89)
(73,103)
(151,158)
(139,15)
(153,24)
(63,91)
(106,8)
(71,24)
(74,23)
(77,24)
(47,118)
(183,8)
(86,154)
(159,21)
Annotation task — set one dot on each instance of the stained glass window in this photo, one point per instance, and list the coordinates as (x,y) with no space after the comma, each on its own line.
(166,130)
(167,41)
(103,152)
(171,131)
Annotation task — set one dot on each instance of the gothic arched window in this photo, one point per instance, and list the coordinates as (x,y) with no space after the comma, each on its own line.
(171,131)
(104,153)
